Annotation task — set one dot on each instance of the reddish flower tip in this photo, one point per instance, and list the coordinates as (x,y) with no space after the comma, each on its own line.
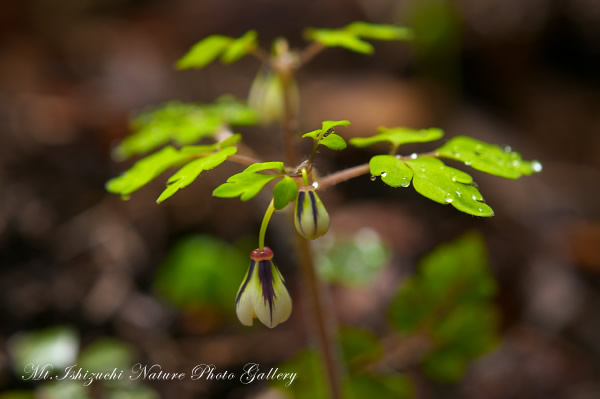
(259,255)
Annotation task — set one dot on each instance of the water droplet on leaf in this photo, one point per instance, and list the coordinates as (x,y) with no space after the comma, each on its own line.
(468,163)
(448,199)
(537,167)
(383,174)
(413,155)
(373,178)
(507,148)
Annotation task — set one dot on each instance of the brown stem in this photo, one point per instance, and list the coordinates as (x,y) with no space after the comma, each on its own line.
(288,117)
(343,175)
(310,52)
(323,317)
(243,159)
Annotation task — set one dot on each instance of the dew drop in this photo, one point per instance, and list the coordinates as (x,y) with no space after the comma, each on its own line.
(474,197)
(413,155)
(453,178)
(315,184)
(508,149)
(458,193)
(383,174)
(480,210)
(373,178)
(537,167)
(468,163)
(448,199)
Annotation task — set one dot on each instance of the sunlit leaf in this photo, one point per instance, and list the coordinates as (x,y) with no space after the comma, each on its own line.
(379,31)
(326,136)
(204,52)
(57,346)
(106,354)
(201,271)
(240,47)
(145,170)
(233,112)
(392,170)
(248,183)
(187,174)
(333,142)
(398,136)
(488,158)
(339,38)
(447,185)
(284,192)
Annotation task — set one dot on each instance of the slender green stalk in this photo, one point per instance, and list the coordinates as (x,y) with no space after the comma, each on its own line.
(264,224)
(304,177)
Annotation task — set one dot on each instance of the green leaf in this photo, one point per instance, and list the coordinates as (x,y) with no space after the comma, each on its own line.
(488,158)
(333,142)
(410,307)
(248,183)
(284,192)
(105,354)
(186,175)
(339,38)
(380,31)
(233,112)
(57,346)
(310,381)
(201,271)
(359,346)
(447,185)
(327,125)
(398,136)
(326,137)
(204,52)
(368,385)
(64,389)
(145,170)
(392,170)
(352,260)
(240,47)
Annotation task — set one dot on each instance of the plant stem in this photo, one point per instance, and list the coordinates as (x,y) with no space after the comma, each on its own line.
(263,226)
(310,52)
(323,317)
(319,307)
(243,159)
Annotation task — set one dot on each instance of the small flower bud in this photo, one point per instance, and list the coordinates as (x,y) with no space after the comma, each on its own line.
(263,293)
(310,218)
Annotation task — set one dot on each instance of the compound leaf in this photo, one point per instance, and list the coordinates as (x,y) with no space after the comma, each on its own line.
(339,38)
(379,31)
(204,52)
(325,136)
(240,47)
(327,125)
(186,175)
(447,185)
(145,170)
(392,170)
(248,183)
(398,136)
(284,192)
(488,158)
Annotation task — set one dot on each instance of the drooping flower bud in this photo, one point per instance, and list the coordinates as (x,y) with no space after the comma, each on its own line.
(310,218)
(266,97)
(262,293)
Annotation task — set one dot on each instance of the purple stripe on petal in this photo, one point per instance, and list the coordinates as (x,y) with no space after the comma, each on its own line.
(315,211)
(248,277)
(266,278)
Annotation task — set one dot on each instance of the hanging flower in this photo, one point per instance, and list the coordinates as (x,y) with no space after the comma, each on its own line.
(263,293)
(310,218)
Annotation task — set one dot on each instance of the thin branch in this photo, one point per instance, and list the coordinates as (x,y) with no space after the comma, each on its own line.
(243,159)
(261,55)
(310,52)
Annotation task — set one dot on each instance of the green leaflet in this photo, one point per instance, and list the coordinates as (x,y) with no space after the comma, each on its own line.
(392,170)
(379,31)
(398,136)
(182,123)
(248,183)
(204,52)
(339,38)
(488,158)
(240,47)
(284,192)
(450,296)
(350,36)
(208,49)
(145,170)
(447,185)
(187,174)
(326,137)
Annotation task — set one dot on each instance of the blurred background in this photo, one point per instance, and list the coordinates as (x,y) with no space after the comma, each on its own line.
(87,278)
